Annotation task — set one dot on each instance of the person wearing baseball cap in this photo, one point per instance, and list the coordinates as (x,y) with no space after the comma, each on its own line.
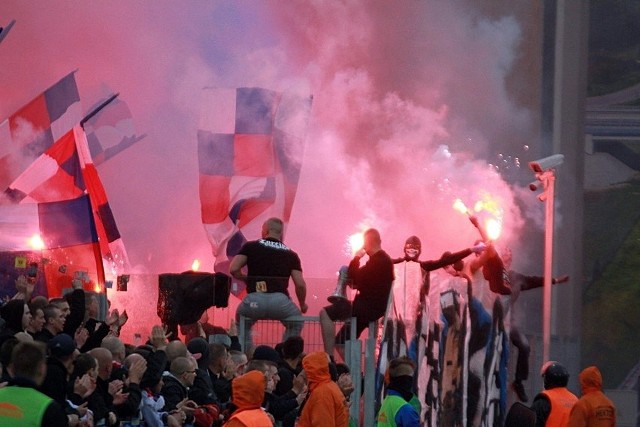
(62,351)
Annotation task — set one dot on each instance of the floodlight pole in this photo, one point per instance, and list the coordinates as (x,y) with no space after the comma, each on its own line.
(548,179)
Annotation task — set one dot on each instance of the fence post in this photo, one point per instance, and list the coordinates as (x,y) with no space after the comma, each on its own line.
(352,356)
(370,379)
(242,333)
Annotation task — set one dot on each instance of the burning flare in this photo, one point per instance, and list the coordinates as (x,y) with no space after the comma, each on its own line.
(195,266)
(493,227)
(488,208)
(36,242)
(461,207)
(356,241)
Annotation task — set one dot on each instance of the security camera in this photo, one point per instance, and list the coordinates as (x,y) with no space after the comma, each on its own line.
(539,166)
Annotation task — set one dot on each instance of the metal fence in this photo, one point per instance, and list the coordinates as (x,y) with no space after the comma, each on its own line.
(360,356)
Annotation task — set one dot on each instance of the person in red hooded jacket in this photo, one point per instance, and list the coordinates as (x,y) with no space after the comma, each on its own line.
(593,409)
(247,395)
(326,406)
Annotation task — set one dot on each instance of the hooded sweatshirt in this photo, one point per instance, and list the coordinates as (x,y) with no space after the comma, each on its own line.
(248,392)
(326,405)
(593,409)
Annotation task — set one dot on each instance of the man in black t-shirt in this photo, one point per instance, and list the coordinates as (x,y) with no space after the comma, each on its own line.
(269,264)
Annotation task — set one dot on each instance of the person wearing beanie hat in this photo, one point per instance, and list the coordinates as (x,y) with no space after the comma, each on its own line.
(156,361)
(292,351)
(152,407)
(326,405)
(593,408)
(280,406)
(396,409)
(199,349)
(266,353)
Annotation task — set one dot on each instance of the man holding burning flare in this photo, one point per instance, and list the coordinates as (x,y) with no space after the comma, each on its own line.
(373,281)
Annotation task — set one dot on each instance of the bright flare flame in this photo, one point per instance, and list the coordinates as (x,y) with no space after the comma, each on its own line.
(494,228)
(488,204)
(356,241)
(195,266)
(36,242)
(97,288)
(460,206)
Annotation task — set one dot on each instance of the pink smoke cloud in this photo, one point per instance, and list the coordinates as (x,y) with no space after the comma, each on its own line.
(412,108)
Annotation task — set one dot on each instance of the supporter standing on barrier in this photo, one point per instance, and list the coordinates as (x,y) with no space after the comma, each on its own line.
(519,282)
(373,282)
(269,265)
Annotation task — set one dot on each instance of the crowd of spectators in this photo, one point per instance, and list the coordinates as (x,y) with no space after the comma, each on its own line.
(61,365)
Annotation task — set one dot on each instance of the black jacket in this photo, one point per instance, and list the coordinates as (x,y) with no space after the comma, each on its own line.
(55,383)
(76,312)
(201,391)
(174,392)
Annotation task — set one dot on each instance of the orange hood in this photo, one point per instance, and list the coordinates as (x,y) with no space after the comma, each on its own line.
(590,379)
(248,390)
(316,366)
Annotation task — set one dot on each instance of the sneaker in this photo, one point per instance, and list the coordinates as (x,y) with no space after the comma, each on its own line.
(518,388)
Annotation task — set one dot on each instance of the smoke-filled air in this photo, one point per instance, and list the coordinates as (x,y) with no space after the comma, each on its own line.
(411,110)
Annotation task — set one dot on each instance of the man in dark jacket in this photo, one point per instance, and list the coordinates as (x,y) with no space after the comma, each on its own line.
(177,382)
(53,323)
(202,390)
(62,352)
(21,401)
(373,282)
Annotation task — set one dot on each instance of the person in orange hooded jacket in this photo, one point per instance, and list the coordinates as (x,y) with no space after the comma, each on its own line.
(593,409)
(247,395)
(326,406)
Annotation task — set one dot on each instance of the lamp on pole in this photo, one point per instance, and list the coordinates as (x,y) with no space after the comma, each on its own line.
(545,173)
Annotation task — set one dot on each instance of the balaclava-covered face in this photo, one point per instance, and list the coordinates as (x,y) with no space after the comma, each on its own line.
(412,248)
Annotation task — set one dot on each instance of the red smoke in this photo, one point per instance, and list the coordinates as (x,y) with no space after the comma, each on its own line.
(411,109)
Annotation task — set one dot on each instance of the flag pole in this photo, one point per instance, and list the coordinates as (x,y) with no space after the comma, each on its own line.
(97,109)
(4,31)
